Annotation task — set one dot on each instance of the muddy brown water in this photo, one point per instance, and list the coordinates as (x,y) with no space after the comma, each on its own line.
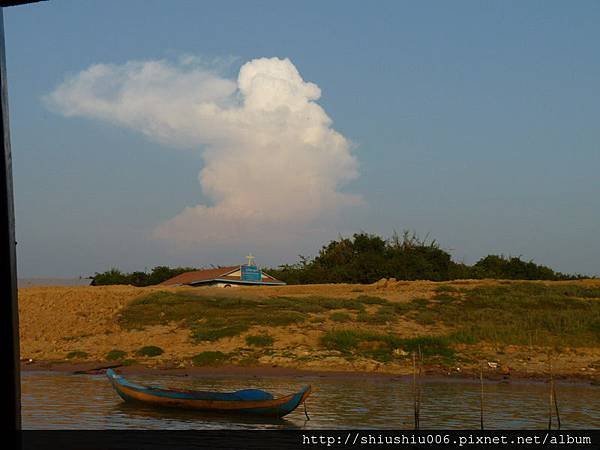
(54,400)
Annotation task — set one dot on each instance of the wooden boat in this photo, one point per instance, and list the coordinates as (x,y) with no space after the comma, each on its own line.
(247,401)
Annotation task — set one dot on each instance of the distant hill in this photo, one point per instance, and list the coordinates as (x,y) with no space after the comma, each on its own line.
(29,282)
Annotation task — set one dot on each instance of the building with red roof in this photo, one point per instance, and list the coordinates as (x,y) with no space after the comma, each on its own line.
(242,275)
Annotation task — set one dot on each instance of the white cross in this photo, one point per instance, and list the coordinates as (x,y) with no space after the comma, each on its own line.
(250,259)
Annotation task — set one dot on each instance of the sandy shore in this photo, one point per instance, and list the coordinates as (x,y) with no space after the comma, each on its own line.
(56,321)
(232,371)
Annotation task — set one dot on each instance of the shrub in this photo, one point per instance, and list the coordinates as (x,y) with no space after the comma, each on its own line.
(260,340)
(208,358)
(116,355)
(150,350)
(77,355)
(156,276)
(513,268)
(367,258)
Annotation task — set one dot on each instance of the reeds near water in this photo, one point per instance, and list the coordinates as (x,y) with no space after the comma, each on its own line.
(481,395)
(417,391)
(553,403)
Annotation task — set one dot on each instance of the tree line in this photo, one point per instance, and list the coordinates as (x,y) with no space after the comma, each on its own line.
(156,276)
(367,258)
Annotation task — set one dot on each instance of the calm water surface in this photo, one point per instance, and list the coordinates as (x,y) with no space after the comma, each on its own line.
(57,400)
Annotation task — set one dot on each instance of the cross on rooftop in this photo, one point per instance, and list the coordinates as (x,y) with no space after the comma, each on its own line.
(250,259)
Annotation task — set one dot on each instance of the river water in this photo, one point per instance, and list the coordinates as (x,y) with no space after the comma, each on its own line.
(54,400)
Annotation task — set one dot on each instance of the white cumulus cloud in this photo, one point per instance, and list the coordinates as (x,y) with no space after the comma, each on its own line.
(273,164)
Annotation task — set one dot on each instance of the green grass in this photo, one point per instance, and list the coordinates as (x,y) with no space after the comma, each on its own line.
(77,355)
(446,298)
(345,340)
(212,333)
(445,288)
(370,300)
(116,355)
(212,318)
(149,350)
(209,358)
(381,346)
(518,314)
(429,346)
(285,318)
(341,317)
(413,305)
(260,340)
(383,315)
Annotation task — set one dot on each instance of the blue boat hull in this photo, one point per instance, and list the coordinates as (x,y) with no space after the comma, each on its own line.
(247,401)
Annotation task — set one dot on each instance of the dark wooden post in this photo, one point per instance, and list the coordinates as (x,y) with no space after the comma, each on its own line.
(10,389)
(9,309)
(10,397)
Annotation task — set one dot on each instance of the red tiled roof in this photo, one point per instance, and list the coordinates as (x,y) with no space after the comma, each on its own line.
(211,274)
(200,275)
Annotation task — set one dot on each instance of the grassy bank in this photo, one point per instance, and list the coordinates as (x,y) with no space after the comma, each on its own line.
(455,326)
(521,314)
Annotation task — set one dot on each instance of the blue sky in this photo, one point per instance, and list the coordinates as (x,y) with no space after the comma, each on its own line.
(473,122)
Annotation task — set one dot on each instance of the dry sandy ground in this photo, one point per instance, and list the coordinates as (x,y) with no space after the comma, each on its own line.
(57,320)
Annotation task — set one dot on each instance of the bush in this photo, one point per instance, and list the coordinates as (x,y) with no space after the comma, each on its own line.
(156,276)
(150,350)
(513,268)
(367,258)
(208,358)
(77,355)
(116,355)
(260,340)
